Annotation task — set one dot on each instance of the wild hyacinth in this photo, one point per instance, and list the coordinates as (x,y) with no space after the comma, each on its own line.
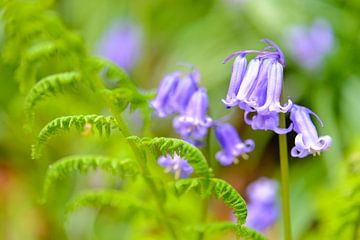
(232,145)
(193,124)
(310,45)
(307,140)
(122,44)
(166,90)
(187,86)
(180,167)
(258,88)
(262,206)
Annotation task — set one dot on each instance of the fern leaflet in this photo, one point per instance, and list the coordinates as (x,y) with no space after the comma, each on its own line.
(57,125)
(220,189)
(83,163)
(49,86)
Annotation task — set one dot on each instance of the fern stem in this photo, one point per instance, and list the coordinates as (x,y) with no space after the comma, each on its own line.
(284,179)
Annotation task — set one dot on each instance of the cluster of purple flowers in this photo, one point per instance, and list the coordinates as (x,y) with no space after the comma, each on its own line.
(262,207)
(183,96)
(256,88)
(310,45)
(180,167)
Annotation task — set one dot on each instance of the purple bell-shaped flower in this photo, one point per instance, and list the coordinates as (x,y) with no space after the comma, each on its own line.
(194,123)
(166,90)
(184,90)
(231,144)
(307,140)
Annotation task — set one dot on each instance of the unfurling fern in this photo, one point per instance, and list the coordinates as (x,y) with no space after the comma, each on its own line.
(98,122)
(170,146)
(47,86)
(118,200)
(84,163)
(220,189)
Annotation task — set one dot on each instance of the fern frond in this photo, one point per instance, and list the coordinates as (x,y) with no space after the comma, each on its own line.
(170,146)
(112,71)
(122,97)
(249,234)
(115,199)
(213,227)
(99,122)
(220,189)
(83,163)
(49,86)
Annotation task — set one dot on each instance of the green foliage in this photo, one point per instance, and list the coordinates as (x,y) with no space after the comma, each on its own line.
(161,145)
(47,86)
(83,163)
(80,122)
(118,200)
(220,189)
(249,234)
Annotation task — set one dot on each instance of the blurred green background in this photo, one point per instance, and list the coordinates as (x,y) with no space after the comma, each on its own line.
(201,33)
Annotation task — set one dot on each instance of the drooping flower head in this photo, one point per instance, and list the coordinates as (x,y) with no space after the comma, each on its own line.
(231,144)
(310,45)
(122,44)
(307,140)
(193,124)
(166,90)
(262,206)
(180,167)
(258,88)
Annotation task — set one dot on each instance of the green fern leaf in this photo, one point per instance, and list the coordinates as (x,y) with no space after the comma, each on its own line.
(172,145)
(83,163)
(115,199)
(213,227)
(99,122)
(249,234)
(220,189)
(49,86)
(112,71)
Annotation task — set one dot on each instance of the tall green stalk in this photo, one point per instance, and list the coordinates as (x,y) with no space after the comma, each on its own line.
(284,165)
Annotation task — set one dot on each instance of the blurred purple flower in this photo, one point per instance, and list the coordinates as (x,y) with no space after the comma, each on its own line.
(167,88)
(180,167)
(307,140)
(231,144)
(262,207)
(310,45)
(194,123)
(184,90)
(122,44)
(266,122)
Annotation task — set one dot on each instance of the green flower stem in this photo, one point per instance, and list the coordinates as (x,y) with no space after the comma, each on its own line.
(284,179)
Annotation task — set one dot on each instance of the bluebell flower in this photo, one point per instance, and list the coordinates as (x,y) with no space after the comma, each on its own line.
(238,71)
(269,121)
(122,44)
(184,90)
(262,206)
(193,124)
(166,90)
(307,140)
(310,45)
(180,167)
(260,87)
(231,144)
